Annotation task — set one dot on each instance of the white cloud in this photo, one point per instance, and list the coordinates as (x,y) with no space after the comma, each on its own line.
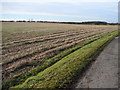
(64,1)
(48,14)
(34,13)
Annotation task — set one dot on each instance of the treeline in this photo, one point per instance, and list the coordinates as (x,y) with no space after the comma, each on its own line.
(89,22)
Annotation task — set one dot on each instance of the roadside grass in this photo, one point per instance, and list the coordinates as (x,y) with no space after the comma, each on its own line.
(44,64)
(59,72)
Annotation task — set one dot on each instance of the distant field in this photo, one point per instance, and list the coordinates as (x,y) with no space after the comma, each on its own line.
(29,45)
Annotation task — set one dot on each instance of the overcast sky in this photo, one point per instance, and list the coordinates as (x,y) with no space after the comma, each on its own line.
(60,10)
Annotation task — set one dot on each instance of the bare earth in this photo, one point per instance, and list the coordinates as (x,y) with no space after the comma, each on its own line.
(104,71)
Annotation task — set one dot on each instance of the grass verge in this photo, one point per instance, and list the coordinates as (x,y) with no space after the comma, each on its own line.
(47,63)
(62,73)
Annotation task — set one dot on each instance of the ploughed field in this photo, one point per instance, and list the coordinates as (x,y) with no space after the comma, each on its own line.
(27,45)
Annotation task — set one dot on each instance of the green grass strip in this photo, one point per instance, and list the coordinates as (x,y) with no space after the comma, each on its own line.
(62,73)
(47,63)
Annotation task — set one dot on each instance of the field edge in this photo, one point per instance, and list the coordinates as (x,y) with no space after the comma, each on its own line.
(105,39)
